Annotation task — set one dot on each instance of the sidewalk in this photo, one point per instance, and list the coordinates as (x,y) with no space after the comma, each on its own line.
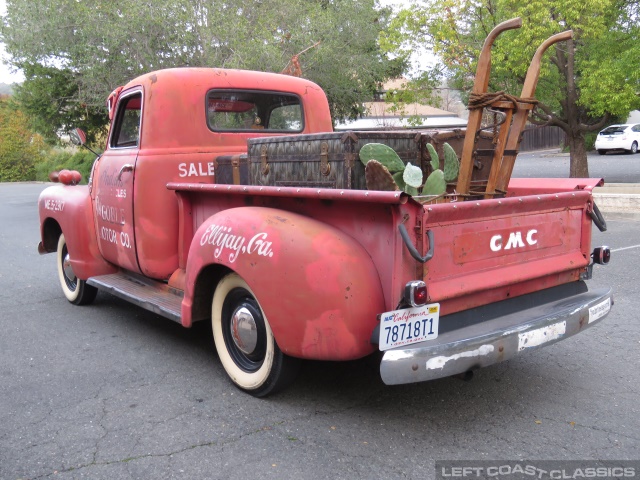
(618,197)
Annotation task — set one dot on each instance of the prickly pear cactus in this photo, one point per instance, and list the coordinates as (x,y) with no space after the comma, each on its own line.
(451,164)
(378,177)
(383,154)
(412,175)
(435,161)
(435,184)
(409,190)
(397,177)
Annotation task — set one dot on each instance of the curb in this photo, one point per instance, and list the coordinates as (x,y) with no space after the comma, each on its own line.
(618,202)
(618,197)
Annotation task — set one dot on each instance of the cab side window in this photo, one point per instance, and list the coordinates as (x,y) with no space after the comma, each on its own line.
(126,132)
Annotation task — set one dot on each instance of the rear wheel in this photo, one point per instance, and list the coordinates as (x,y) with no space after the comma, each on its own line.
(634,147)
(245,343)
(602,152)
(77,291)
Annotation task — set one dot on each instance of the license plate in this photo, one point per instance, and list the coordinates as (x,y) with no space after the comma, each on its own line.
(600,310)
(411,325)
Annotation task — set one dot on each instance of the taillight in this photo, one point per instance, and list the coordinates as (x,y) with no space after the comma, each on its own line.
(415,293)
(601,255)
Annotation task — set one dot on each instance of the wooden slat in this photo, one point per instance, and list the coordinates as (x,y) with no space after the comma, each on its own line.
(480,85)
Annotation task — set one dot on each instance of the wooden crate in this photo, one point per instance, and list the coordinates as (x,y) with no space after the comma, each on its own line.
(324,160)
(455,138)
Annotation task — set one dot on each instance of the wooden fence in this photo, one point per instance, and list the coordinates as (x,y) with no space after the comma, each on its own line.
(541,138)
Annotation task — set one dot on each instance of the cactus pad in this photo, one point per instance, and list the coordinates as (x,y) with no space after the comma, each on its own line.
(383,154)
(408,189)
(435,184)
(412,176)
(378,177)
(451,164)
(435,161)
(397,177)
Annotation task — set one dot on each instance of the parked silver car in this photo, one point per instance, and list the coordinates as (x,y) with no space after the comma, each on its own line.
(619,137)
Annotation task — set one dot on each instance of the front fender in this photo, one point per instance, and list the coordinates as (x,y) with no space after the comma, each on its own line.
(317,286)
(68,208)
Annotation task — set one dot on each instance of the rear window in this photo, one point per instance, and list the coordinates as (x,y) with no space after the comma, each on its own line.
(613,130)
(242,110)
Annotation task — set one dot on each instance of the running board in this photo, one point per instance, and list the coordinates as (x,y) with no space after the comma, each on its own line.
(151,295)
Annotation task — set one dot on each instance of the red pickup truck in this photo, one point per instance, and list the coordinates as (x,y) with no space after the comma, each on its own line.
(191,212)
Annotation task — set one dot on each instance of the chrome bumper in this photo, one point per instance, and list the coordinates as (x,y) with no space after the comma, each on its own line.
(506,333)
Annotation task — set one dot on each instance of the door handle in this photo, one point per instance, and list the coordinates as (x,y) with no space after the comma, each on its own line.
(127,167)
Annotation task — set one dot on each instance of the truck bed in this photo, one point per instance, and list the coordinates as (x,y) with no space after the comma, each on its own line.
(484,251)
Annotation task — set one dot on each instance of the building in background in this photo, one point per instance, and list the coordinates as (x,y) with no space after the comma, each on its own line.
(381,114)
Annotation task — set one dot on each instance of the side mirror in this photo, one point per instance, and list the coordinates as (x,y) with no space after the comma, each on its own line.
(78,137)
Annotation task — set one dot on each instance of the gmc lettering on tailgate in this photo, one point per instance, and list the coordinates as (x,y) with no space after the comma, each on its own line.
(470,247)
(515,240)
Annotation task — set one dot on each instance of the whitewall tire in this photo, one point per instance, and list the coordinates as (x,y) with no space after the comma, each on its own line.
(77,291)
(244,341)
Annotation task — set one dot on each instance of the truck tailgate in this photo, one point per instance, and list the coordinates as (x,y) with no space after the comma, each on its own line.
(490,250)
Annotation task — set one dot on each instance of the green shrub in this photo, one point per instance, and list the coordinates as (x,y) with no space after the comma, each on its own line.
(81,161)
(20,148)
(590,140)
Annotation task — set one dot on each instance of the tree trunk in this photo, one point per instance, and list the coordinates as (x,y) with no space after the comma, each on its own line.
(579,167)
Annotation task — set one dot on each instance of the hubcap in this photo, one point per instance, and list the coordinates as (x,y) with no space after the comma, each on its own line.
(66,267)
(244,331)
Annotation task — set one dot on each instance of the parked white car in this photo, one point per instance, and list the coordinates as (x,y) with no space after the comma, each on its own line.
(619,137)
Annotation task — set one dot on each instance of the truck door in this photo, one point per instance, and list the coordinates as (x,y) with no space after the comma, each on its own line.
(113,184)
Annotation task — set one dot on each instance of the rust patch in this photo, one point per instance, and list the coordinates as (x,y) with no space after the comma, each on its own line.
(154,78)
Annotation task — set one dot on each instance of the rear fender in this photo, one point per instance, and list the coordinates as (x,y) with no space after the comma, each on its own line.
(68,209)
(317,286)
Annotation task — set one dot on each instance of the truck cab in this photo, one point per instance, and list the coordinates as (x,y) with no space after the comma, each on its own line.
(173,126)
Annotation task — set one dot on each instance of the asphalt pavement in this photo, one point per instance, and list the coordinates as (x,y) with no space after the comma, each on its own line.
(110,391)
(619,170)
(613,167)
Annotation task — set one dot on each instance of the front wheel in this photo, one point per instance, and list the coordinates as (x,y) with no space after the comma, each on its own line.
(77,291)
(602,152)
(245,343)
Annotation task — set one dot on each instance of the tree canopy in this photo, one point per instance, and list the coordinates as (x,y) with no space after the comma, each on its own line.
(92,46)
(584,83)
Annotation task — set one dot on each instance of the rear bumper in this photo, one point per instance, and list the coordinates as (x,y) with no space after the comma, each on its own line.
(511,327)
(615,144)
